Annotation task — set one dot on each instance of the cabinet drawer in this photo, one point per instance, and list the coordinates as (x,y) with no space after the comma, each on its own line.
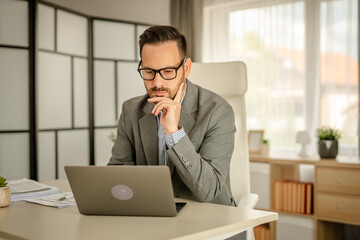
(337,206)
(338,180)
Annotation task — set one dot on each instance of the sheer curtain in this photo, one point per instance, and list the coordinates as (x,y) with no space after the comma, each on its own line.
(291,49)
(339,69)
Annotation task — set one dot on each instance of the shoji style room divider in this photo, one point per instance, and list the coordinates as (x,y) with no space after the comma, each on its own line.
(16,81)
(85,69)
(62,91)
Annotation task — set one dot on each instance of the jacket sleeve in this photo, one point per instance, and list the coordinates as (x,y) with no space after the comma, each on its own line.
(205,171)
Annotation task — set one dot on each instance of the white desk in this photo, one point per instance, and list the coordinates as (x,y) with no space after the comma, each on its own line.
(196,220)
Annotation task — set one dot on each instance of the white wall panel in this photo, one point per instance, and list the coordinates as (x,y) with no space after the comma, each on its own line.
(14,22)
(306,173)
(14,155)
(114,40)
(139,30)
(260,183)
(73,149)
(46,27)
(103,145)
(46,156)
(81,100)
(14,89)
(104,93)
(54,91)
(130,84)
(71,33)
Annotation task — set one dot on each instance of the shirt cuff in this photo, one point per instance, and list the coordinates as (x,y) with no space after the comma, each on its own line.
(172,139)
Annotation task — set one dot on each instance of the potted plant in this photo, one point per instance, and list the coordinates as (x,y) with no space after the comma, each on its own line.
(112,137)
(5,196)
(328,142)
(265,147)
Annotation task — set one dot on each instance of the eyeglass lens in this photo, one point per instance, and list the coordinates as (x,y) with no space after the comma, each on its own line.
(167,74)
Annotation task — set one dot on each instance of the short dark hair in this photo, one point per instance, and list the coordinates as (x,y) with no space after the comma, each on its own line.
(163,33)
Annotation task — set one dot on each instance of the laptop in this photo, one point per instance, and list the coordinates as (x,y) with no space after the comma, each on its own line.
(123,190)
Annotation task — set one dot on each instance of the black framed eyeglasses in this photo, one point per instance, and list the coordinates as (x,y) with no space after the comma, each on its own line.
(168,73)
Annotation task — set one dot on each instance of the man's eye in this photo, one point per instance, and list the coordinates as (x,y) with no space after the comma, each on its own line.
(149,71)
(168,70)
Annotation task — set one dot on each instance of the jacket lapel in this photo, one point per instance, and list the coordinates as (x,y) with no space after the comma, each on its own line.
(189,106)
(148,132)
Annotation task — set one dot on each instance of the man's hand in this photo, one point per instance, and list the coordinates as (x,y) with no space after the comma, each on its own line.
(171,109)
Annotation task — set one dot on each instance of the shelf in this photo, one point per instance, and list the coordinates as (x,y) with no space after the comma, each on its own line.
(331,230)
(286,159)
(289,213)
(338,221)
(339,177)
(312,216)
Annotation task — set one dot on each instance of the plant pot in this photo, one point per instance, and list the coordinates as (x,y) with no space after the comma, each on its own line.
(328,148)
(5,197)
(265,148)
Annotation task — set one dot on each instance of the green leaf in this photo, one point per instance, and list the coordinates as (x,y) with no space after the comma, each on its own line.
(328,133)
(3,182)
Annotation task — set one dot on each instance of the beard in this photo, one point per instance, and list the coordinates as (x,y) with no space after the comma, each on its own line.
(170,94)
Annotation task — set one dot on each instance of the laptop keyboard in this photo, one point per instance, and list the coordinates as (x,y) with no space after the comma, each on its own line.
(179,205)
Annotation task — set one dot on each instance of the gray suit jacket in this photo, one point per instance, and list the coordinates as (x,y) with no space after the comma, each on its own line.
(199,162)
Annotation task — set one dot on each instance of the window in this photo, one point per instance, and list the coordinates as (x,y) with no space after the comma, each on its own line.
(339,69)
(302,64)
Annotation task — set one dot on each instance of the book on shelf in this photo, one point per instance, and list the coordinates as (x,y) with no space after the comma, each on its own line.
(262,232)
(298,199)
(23,189)
(293,200)
(302,198)
(285,186)
(277,195)
(309,196)
(293,196)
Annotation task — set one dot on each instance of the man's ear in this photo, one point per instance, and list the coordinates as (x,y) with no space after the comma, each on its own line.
(187,67)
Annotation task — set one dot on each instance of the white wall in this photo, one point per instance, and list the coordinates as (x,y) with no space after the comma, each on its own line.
(144,11)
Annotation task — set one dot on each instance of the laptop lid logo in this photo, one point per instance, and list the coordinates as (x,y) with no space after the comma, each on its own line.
(122,192)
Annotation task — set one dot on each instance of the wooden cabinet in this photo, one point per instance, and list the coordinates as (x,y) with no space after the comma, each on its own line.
(336,193)
(338,180)
(338,207)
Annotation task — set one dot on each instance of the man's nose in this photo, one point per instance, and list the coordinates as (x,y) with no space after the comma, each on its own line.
(158,80)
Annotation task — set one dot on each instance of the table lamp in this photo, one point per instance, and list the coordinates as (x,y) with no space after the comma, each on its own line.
(303,137)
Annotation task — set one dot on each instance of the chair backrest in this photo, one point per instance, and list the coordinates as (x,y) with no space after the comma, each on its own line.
(229,80)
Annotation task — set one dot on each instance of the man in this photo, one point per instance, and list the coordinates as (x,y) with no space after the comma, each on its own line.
(177,123)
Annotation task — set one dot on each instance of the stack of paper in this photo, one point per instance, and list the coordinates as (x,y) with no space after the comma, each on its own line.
(60,200)
(25,189)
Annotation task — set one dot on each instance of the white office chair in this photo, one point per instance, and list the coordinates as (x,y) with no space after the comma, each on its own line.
(229,80)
